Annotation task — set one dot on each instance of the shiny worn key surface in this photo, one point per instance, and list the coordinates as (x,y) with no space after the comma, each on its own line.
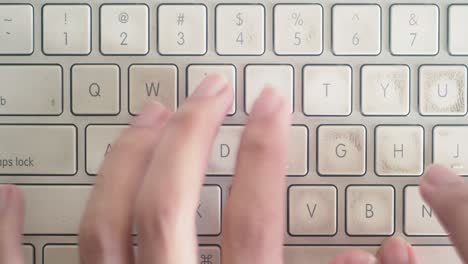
(352,67)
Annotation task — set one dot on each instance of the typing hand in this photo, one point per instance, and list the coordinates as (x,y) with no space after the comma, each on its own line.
(153,176)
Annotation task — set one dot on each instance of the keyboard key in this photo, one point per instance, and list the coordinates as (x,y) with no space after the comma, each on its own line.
(450,147)
(257,77)
(420,220)
(152,83)
(28,253)
(356,29)
(95,89)
(457,37)
(312,210)
(124,29)
(208,218)
(370,210)
(240,29)
(59,254)
(38,94)
(385,90)
(399,150)
(414,29)
(16,29)
(442,90)
(99,140)
(38,150)
(226,146)
(66,29)
(327,90)
(298,29)
(182,29)
(57,209)
(197,72)
(341,150)
(324,254)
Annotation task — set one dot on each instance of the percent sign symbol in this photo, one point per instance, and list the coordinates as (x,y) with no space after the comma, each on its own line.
(297,19)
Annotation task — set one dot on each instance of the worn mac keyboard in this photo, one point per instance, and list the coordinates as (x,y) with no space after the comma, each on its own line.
(378,91)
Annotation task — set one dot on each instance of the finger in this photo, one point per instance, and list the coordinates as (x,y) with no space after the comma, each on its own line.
(254,218)
(355,257)
(397,251)
(11,225)
(106,227)
(447,194)
(169,197)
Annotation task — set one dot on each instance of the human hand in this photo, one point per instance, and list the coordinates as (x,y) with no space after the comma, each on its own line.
(153,177)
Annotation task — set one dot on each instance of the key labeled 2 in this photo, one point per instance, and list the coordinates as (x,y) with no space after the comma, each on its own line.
(124,29)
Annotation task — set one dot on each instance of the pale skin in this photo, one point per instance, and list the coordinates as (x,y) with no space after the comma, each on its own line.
(153,177)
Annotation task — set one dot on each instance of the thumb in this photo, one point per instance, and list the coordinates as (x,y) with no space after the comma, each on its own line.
(11,225)
(447,194)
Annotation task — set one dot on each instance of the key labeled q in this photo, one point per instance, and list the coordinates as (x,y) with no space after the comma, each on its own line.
(94,90)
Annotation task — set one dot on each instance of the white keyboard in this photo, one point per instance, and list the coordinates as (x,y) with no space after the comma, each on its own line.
(378,91)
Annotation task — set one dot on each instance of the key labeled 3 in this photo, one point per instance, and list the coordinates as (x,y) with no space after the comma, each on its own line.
(240,29)
(298,29)
(356,29)
(341,150)
(450,147)
(443,90)
(182,29)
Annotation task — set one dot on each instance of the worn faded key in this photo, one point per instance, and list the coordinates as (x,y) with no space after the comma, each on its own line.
(327,90)
(197,72)
(38,150)
(99,140)
(59,254)
(30,90)
(341,150)
(420,219)
(226,146)
(324,254)
(57,209)
(443,90)
(257,77)
(152,83)
(312,210)
(370,210)
(450,147)
(399,150)
(240,29)
(356,29)
(385,89)
(28,253)
(414,29)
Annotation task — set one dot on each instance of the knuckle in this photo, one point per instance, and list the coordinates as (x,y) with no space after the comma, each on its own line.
(160,218)
(258,142)
(257,229)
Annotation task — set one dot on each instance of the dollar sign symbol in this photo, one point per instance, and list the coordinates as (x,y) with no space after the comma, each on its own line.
(240,21)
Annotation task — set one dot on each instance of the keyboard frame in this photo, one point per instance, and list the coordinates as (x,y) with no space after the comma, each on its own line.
(269,57)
